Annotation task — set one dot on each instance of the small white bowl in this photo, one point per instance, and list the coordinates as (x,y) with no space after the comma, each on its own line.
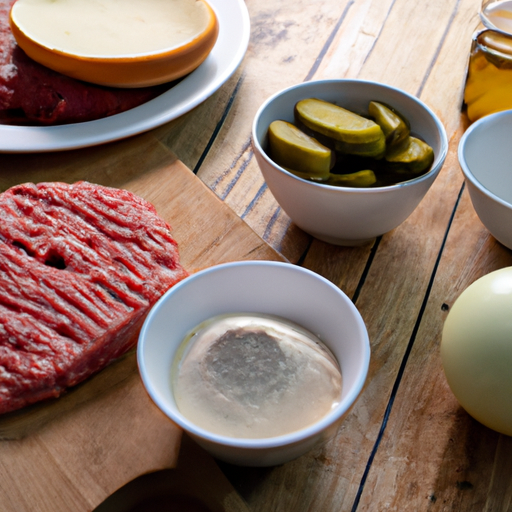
(275,288)
(342,215)
(485,156)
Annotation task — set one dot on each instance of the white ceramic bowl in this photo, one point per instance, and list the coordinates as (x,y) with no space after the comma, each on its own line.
(276,288)
(342,215)
(485,156)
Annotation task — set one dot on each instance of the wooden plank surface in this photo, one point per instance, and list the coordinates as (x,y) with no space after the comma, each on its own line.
(380,460)
(407,444)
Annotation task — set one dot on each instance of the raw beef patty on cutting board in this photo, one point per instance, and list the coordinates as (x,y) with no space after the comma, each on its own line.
(80,267)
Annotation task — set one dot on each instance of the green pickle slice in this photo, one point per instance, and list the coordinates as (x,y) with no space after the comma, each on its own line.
(375,149)
(394,126)
(413,154)
(356,133)
(292,149)
(360,179)
(331,145)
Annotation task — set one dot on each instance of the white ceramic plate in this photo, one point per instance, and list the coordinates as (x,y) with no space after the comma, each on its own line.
(228,52)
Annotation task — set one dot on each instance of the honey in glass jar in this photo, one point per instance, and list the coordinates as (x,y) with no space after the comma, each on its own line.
(489,79)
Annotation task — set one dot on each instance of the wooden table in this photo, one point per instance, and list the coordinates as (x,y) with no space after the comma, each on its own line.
(407,444)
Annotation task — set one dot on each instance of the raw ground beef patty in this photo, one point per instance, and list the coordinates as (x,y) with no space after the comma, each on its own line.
(80,267)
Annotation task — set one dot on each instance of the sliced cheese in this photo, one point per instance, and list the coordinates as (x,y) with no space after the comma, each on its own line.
(107,28)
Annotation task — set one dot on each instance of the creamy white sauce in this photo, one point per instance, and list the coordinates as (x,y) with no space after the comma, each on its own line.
(253,376)
(111,27)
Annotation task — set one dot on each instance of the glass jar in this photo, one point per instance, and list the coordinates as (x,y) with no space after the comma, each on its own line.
(489,79)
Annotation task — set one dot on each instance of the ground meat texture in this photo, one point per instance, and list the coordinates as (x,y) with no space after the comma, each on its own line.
(80,267)
(33,94)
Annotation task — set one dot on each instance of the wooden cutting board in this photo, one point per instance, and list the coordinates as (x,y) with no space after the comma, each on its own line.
(72,453)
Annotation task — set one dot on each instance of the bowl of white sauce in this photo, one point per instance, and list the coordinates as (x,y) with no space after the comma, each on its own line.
(257,361)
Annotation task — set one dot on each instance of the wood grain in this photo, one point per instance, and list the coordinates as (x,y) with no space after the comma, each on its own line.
(407,444)
(423,49)
(463,457)
(194,485)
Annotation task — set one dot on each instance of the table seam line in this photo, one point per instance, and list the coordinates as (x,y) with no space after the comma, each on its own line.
(405,357)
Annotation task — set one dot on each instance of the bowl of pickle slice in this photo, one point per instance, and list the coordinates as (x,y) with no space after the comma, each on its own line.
(348,160)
